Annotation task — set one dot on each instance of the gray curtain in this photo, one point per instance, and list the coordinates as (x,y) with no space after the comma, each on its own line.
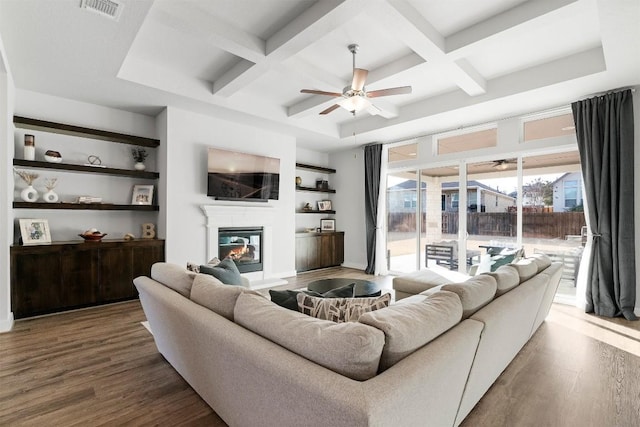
(604,128)
(372,163)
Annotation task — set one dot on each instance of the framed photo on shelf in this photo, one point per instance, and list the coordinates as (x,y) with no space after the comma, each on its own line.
(142,195)
(324,205)
(327,225)
(35,231)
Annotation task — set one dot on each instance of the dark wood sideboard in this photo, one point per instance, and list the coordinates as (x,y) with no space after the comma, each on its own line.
(319,250)
(68,275)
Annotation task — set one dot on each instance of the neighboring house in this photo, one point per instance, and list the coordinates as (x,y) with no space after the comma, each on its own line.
(403,198)
(567,192)
(480,198)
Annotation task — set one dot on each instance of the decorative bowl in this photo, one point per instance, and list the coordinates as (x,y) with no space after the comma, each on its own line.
(92,237)
(53,156)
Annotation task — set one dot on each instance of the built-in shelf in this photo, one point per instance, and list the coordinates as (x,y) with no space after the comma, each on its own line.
(317,190)
(315,211)
(60,128)
(83,168)
(315,168)
(84,206)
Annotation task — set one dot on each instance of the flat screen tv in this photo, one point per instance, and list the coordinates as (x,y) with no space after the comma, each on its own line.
(232,175)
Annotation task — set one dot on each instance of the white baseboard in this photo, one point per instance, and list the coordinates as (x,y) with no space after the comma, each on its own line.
(7,324)
(354,266)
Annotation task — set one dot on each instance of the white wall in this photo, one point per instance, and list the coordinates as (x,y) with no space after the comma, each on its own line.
(188,136)
(349,205)
(7,91)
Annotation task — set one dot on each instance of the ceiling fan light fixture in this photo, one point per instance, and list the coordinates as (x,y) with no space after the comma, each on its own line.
(501,166)
(355,103)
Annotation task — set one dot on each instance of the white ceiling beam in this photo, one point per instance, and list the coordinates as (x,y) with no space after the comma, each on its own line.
(315,22)
(514,17)
(403,21)
(568,68)
(394,67)
(387,109)
(201,25)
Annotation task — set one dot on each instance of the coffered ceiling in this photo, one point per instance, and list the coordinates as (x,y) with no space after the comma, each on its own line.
(467,61)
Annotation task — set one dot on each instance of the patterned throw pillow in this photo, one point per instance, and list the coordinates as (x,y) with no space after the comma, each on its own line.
(340,309)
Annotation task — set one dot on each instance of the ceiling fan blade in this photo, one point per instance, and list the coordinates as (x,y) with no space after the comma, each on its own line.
(320,92)
(391,91)
(330,109)
(359,76)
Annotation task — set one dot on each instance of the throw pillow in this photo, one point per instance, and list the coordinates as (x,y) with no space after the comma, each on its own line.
(227,272)
(195,267)
(340,309)
(288,298)
(211,293)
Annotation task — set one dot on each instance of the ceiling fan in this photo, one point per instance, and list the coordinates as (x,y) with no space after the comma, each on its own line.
(355,98)
(503,164)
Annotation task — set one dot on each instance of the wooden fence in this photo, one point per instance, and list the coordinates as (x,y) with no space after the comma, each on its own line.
(534,224)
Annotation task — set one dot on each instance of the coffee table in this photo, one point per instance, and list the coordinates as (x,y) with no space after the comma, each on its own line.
(363,287)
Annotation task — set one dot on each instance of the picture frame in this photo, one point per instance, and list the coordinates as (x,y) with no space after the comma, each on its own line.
(35,231)
(324,205)
(327,224)
(142,195)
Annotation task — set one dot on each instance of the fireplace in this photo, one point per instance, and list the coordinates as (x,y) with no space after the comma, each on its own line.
(243,245)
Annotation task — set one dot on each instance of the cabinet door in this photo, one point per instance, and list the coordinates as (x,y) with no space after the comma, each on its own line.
(116,274)
(79,276)
(338,248)
(326,250)
(302,259)
(145,256)
(35,283)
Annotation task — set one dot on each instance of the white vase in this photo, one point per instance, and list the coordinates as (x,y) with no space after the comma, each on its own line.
(29,194)
(50,196)
(139,166)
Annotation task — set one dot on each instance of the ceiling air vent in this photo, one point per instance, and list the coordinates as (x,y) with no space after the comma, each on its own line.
(108,8)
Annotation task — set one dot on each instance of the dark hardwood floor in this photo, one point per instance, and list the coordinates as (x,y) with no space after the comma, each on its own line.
(100,366)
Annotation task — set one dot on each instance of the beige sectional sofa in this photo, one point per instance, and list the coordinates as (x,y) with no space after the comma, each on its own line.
(425,360)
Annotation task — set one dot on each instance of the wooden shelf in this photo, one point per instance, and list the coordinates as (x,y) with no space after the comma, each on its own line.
(317,190)
(82,168)
(85,206)
(315,168)
(316,212)
(59,128)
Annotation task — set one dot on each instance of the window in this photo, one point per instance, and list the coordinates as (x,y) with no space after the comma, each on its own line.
(403,152)
(570,194)
(410,201)
(549,127)
(468,141)
(454,200)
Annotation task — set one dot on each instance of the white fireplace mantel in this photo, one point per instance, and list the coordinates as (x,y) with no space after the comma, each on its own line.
(245,215)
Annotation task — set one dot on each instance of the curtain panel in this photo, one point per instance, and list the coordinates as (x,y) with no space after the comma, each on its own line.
(605,134)
(372,164)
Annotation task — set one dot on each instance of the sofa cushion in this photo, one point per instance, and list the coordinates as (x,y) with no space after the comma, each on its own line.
(419,281)
(340,309)
(527,268)
(216,296)
(475,293)
(173,276)
(287,298)
(226,271)
(350,349)
(410,325)
(507,278)
(542,261)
